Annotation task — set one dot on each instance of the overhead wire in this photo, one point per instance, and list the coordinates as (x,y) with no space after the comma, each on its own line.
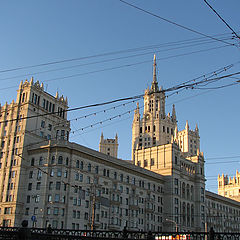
(106,54)
(221,19)
(119,67)
(174,23)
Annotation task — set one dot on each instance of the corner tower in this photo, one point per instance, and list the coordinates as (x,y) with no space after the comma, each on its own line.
(155,127)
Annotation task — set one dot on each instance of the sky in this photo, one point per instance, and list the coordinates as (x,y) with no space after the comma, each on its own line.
(106,48)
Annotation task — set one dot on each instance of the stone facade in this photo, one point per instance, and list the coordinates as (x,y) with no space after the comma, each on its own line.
(46,179)
(223,214)
(229,187)
(109,146)
(159,147)
(19,129)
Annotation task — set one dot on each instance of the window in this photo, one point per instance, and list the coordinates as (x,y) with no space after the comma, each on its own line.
(37,198)
(42,124)
(57,198)
(27,211)
(77,164)
(59,173)
(35,211)
(81,165)
(53,160)
(39,175)
(55,211)
(32,162)
(50,186)
(38,185)
(29,186)
(50,127)
(58,185)
(28,198)
(60,160)
(50,198)
(31,174)
(152,161)
(89,167)
(48,211)
(145,164)
(96,169)
(40,161)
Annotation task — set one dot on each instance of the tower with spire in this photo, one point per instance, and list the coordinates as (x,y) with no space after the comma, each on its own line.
(158,146)
(155,127)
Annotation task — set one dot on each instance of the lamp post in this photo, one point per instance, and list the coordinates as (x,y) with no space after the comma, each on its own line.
(176,226)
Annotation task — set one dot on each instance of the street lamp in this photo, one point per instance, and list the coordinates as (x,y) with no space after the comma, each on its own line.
(169,220)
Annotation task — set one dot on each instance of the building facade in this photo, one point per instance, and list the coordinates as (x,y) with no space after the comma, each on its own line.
(158,146)
(46,179)
(229,187)
(19,129)
(222,214)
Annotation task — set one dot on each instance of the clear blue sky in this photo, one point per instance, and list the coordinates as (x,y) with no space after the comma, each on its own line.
(35,32)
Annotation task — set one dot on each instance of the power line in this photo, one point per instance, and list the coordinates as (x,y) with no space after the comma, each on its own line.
(174,23)
(221,18)
(123,66)
(78,108)
(106,54)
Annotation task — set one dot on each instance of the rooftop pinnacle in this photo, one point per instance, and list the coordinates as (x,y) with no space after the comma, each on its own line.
(154,86)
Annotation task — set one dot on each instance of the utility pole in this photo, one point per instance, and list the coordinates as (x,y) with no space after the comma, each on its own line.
(93,211)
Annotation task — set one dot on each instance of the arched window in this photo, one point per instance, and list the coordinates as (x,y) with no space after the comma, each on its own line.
(183,190)
(192,193)
(67,160)
(188,191)
(192,215)
(77,164)
(60,160)
(184,213)
(188,214)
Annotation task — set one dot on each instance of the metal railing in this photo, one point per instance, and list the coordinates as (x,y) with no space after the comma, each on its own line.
(8,233)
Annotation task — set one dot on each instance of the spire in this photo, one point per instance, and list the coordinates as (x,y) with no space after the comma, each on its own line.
(187,126)
(196,128)
(102,138)
(116,138)
(154,86)
(20,85)
(154,69)
(31,81)
(174,118)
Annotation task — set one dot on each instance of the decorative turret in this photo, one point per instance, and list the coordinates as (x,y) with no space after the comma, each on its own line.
(174,118)
(31,81)
(187,126)
(20,85)
(109,146)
